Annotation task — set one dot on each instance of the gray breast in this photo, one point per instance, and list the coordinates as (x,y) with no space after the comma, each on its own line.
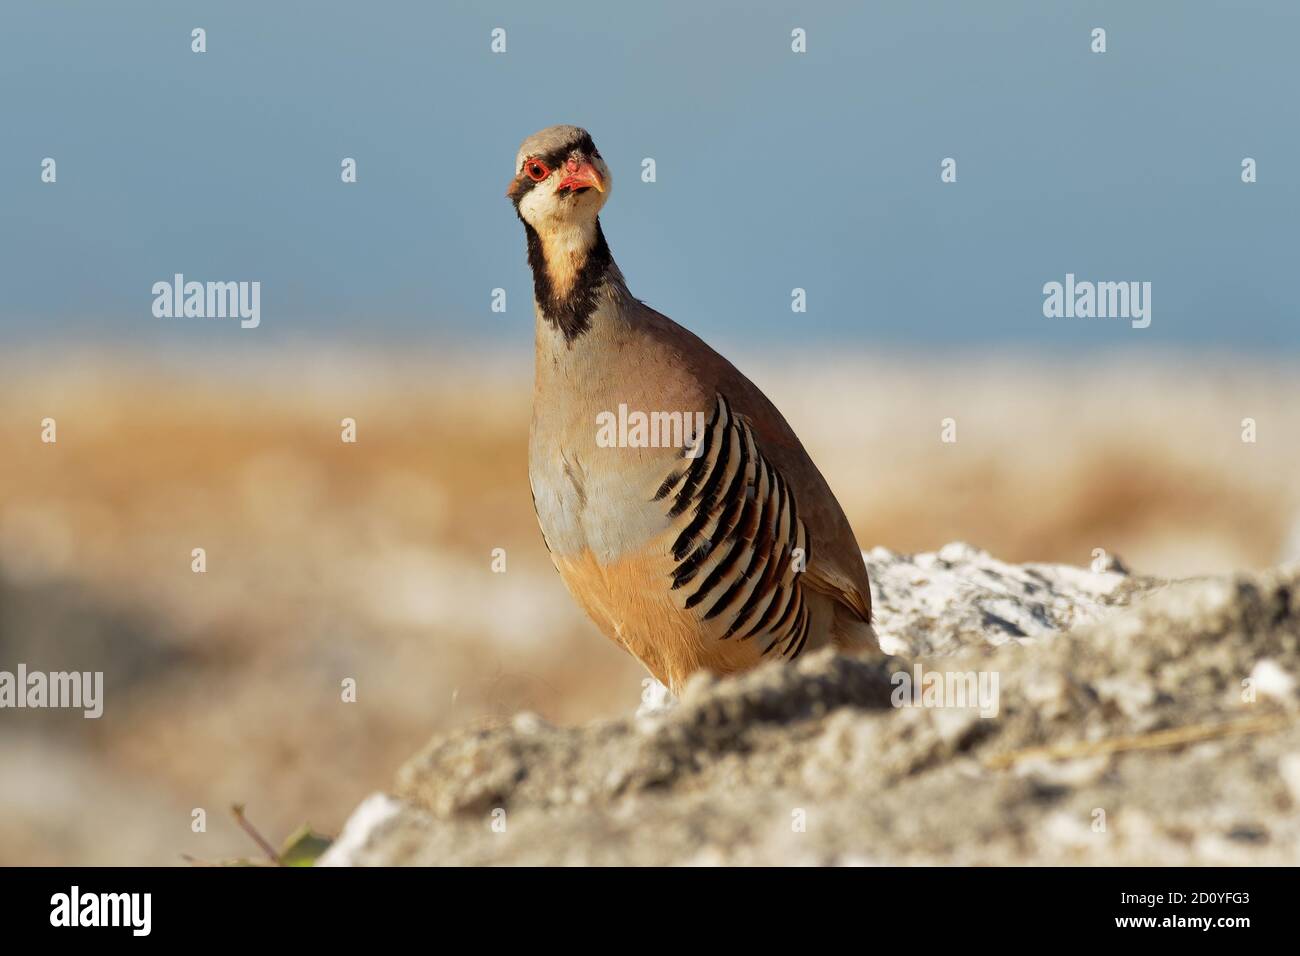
(597,499)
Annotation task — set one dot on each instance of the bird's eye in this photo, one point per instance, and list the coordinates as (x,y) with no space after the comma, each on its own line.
(536,170)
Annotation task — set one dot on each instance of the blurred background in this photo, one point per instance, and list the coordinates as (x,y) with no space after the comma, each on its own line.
(774,170)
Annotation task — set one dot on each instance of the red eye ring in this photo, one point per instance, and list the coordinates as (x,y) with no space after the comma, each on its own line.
(536,170)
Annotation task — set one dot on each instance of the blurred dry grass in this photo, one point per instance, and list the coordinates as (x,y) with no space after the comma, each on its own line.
(373,560)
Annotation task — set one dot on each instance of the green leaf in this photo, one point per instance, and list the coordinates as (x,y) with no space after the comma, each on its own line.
(303,847)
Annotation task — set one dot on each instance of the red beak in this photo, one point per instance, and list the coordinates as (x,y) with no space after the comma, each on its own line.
(580,176)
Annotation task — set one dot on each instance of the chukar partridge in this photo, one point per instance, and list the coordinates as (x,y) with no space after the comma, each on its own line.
(716,551)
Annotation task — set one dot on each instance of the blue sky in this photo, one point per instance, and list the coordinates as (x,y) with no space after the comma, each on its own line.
(775,170)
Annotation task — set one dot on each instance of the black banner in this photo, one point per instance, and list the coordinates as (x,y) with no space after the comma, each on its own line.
(243,905)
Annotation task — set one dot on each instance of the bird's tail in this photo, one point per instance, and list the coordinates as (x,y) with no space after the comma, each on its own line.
(852,634)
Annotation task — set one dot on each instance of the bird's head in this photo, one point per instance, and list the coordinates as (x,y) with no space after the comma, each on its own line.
(560,180)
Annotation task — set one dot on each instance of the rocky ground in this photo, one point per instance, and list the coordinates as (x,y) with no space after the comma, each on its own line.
(1123,720)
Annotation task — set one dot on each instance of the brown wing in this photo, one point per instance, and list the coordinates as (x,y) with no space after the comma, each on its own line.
(836,573)
(740,544)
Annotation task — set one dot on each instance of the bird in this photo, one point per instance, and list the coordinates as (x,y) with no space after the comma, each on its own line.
(714,552)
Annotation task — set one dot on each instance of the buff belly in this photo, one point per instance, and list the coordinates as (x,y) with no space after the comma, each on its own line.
(631,602)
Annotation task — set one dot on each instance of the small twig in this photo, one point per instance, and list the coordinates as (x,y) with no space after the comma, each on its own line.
(1172,737)
(238,810)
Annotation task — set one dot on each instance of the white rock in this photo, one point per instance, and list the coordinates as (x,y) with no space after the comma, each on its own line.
(373,813)
(655,698)
(962,597)
(1272,681)
(1288,768)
